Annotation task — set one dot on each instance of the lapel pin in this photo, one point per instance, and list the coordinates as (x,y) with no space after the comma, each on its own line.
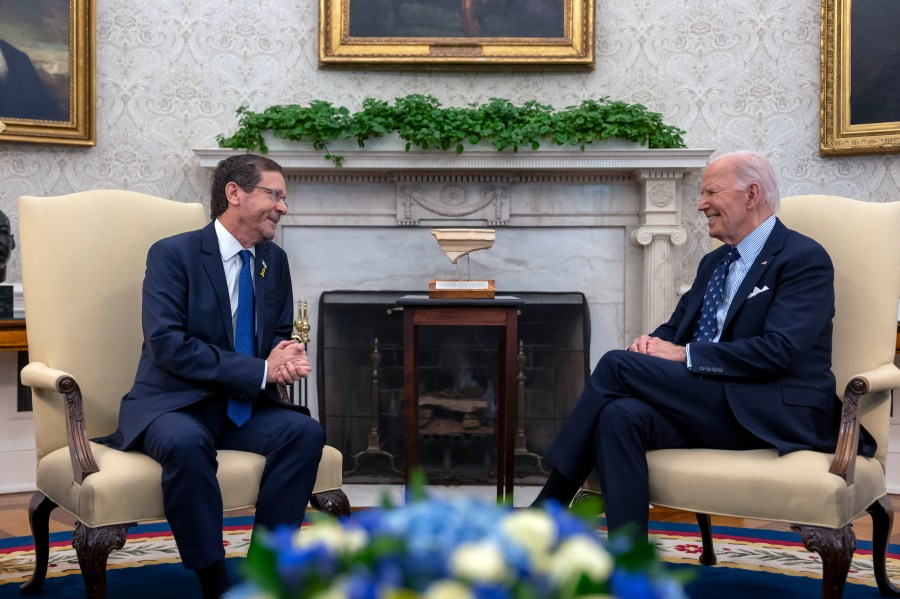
(763,263)
(262,273)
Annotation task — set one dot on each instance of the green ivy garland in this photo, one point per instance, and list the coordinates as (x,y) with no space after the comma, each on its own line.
(422,121)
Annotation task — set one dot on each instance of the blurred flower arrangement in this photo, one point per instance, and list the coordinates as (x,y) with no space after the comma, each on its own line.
(452,549)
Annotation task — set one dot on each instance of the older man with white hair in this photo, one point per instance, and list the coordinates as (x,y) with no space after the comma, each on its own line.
(744,362)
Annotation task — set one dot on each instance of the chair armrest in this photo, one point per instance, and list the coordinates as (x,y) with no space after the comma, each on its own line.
(41,376)
(883,378)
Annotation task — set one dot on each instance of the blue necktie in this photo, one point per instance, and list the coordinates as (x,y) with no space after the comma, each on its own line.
(244,337)
(707,327)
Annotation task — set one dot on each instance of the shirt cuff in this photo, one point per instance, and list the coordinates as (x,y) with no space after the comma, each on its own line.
(265,374)
(687,351)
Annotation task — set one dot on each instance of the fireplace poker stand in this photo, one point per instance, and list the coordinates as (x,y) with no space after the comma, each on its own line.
(374,446)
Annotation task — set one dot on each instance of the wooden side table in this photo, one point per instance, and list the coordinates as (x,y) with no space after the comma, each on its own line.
(501,312)
(12,335)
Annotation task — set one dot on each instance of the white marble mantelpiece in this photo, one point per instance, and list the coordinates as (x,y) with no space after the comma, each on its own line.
(604,222)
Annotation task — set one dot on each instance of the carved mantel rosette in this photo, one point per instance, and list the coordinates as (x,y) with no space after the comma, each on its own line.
(660,230)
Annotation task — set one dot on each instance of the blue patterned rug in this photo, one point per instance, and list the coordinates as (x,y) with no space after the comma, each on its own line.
(752,563)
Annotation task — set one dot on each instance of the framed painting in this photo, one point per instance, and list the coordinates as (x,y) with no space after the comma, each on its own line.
(860,73)
(456,34)
(47,72)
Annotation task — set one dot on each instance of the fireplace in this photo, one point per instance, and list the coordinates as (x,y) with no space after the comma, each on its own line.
(605,223)
(360,386)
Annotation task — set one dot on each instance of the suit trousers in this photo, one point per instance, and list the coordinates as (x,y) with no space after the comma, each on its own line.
(184,442)
(634,403)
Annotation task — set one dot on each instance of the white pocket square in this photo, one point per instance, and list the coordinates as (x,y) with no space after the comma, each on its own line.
(756,291)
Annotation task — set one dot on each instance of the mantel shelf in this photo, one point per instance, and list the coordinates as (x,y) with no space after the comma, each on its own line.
(549,159)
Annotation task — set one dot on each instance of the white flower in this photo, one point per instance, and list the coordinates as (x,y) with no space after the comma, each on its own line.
(534,530)
(480,561)
(332,535)
(333,592)
(448,589)
(577,555)
(337,590)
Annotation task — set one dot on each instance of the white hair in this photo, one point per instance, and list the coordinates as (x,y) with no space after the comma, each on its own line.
(753,167)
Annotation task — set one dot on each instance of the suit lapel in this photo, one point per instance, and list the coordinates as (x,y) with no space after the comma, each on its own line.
(772,247)
(260,278)
(212,264)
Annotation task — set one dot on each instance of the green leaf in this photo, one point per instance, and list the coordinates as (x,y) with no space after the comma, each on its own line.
(587,508)
(423,122)
(415,490)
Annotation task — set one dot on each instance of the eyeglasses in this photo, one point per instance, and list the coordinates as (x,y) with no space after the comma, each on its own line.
(273,193)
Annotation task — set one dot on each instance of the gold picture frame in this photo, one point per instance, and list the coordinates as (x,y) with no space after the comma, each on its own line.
(859,112)
(56,102)
(456,35)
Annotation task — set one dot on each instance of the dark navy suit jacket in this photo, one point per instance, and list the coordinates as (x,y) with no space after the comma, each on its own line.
(188,350)
(774,353)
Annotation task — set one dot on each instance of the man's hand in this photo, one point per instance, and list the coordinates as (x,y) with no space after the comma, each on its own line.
(287,363)
(654,346)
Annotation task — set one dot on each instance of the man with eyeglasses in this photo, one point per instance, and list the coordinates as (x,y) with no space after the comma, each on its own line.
(217,316)
(743,362)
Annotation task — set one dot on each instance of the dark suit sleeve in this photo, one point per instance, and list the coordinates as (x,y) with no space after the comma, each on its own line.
(787,323)
(185,349)
(284,306)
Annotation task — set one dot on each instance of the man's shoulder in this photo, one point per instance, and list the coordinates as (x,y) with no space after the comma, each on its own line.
(183,238)
(795,241)
(272,249)
(186,241)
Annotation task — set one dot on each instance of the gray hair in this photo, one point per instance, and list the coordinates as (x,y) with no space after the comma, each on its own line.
(753,167)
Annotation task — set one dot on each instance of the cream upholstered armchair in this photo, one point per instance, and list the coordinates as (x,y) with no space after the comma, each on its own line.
(818,494)
(83,258)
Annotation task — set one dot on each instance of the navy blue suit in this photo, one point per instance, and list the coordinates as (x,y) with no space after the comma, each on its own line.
(176,410)
(766,383)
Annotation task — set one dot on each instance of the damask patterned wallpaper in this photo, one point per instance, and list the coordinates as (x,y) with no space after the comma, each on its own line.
(736,74)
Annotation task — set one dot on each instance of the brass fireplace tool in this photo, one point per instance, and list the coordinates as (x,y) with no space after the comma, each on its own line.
(301,335)
(521,447)
(374,447)
(301,325)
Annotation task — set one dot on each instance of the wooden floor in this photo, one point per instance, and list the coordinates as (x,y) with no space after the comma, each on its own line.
(14,519)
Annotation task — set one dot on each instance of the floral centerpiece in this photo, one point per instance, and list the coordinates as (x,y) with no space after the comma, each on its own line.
(452,549)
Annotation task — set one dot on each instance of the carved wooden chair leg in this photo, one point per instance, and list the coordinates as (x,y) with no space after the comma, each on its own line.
(331,502)
(708,557)
(882,513)
(835,547)
(39,517)
(93,546)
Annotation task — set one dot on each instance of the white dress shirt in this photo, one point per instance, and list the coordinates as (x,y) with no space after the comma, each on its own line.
(230,249)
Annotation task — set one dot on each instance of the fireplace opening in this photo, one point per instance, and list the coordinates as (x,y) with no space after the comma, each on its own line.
(360,386)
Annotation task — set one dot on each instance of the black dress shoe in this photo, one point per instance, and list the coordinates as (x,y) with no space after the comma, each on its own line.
(558,487)
(214,580)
